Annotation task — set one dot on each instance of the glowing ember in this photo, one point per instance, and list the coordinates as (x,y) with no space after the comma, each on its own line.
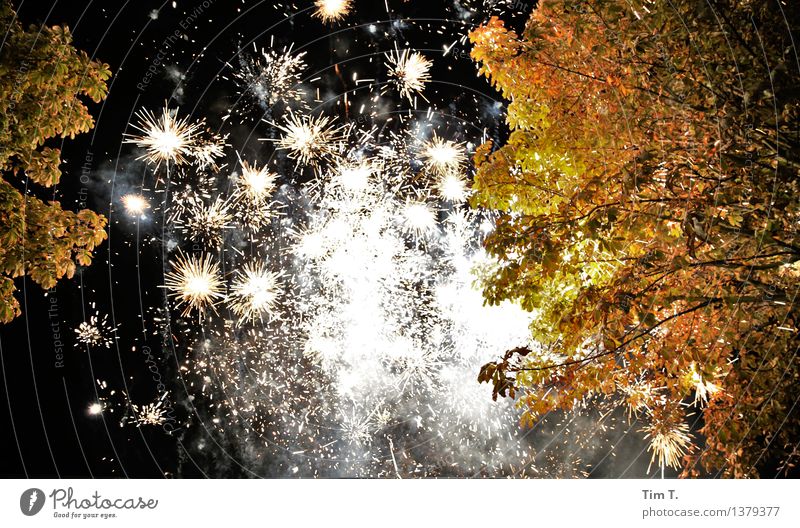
(410,71)
(194,282)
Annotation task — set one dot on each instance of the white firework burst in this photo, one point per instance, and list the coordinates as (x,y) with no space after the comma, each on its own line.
(135,204)
(254,293)
(418,218)
(205,223)
(165,138)
(151,413)
(442,157)
(256,185)
(309,140)
(410,71)
(332,10)
(452,187)
(195,283)
(95,332)
(271,77)
(208,150)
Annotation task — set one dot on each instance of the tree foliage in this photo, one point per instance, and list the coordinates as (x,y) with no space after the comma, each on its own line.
(42,80)
(648,215)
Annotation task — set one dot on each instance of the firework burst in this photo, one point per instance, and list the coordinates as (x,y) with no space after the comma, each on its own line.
(135,204)
(151,413)
(195,282)
(443,157)
(254,293)
(256,185)
(309,140)
(95,332)
(452,187)
(410,71)
(669,439)
(165,138)
(271,77)
(418,218)
(203,222)
(332,10)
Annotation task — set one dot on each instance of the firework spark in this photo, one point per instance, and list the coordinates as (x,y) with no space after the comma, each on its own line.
(332,10)
(208,149)
(165,138)
(256,185)
(151,413)
(309,140)
(410,72)
(452,187)
(205,223)
(418,218)
(443,157)
(272,77)
(195,283)
(669,442)
(135,204)
(95,332)
(254,293)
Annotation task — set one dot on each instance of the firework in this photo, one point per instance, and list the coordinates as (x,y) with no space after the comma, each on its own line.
(135,204)
(165,138)
(271,77)
(418,218)
(443,157)
(195,283)
(309,140)
(254,293)
(702,388)
(354,177)
(208,149)
(205,222)
(410,71)
(256,185)
(669,441)
(452,187)
(95,332)
(151,413)
(95,408)
(331,10)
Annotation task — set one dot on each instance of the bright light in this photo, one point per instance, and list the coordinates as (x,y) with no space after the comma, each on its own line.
(410,71)
(135,204)
(332,10)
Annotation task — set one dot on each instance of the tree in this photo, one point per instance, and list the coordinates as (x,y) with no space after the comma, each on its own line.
(42,80)
(648,215)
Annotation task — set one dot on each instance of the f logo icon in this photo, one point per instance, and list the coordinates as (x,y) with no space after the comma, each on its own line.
(31,501)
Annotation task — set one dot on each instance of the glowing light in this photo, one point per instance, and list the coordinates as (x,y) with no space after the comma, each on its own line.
(135,204)
(332,10)
(164,137)
(443,157)
(452,187)
(410,71)
(257,185)
(418,218)
(95,409)
(194,282)
(254,293)
(309,139)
